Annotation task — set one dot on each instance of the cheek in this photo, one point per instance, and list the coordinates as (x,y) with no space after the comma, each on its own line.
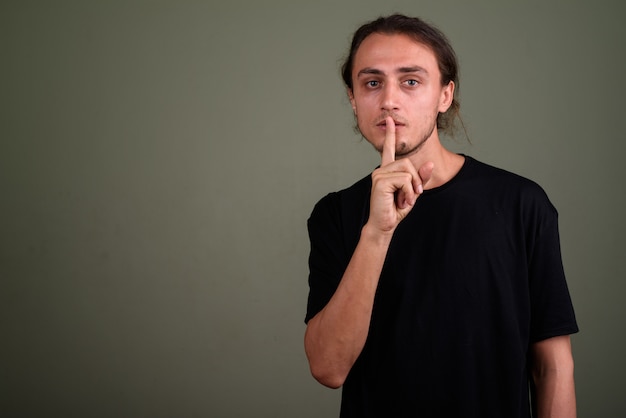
(365,125)
(426,110)
(361,118)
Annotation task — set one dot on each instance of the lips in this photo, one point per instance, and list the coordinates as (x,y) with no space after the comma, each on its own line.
(383,124)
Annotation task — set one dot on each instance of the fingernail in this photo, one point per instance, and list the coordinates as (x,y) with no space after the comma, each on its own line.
(420,189)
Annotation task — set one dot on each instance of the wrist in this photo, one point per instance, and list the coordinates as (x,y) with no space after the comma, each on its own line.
(376,236)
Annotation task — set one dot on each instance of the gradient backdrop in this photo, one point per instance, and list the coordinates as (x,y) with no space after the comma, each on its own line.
(159,159)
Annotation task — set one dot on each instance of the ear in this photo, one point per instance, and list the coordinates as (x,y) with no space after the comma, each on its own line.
(352,101)
(447,96)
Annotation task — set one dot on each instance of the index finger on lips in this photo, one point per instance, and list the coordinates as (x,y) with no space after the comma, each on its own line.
(389,146)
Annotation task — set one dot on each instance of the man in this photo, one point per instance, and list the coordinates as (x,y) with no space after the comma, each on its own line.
(436,284)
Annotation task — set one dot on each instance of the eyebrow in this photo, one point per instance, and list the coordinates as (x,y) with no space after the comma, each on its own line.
(403,70)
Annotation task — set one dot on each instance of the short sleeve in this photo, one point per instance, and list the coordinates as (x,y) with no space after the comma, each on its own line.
(552,312)
(327,258)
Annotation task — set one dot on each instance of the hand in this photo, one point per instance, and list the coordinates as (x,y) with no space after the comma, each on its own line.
(396,185)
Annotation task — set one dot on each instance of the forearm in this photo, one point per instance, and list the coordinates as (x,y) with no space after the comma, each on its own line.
(336,335)
(553,375)
(555,395)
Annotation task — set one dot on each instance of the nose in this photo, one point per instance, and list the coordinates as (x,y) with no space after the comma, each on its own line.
(390,99)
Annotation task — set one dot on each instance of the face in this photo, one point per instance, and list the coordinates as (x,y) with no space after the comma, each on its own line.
(393,75)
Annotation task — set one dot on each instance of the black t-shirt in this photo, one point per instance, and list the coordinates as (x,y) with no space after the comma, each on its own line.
(473,275)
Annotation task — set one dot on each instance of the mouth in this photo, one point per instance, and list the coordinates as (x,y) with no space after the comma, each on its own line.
(397,120)
(383,124)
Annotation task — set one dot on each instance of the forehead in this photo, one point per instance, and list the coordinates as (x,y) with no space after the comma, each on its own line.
(389,52)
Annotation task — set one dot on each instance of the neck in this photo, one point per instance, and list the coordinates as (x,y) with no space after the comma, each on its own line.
(446,163)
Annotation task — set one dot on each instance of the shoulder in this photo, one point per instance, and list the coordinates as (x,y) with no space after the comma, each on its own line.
(340,215)
(485,172)
(346,200)
(510,189)
(502,180)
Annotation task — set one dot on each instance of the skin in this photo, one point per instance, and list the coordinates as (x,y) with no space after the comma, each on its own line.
(396,98)
(553,373)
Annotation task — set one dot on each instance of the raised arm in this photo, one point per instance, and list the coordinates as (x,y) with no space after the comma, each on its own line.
(335,337)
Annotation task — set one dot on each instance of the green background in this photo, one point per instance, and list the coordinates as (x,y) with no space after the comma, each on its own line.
(159,159)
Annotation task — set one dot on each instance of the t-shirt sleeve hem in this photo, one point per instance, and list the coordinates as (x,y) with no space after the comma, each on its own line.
(566,330)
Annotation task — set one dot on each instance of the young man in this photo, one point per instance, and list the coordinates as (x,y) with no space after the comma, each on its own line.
(436,283)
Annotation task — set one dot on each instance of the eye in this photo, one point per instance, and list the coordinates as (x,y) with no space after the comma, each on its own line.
(412,83)
(372,83)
